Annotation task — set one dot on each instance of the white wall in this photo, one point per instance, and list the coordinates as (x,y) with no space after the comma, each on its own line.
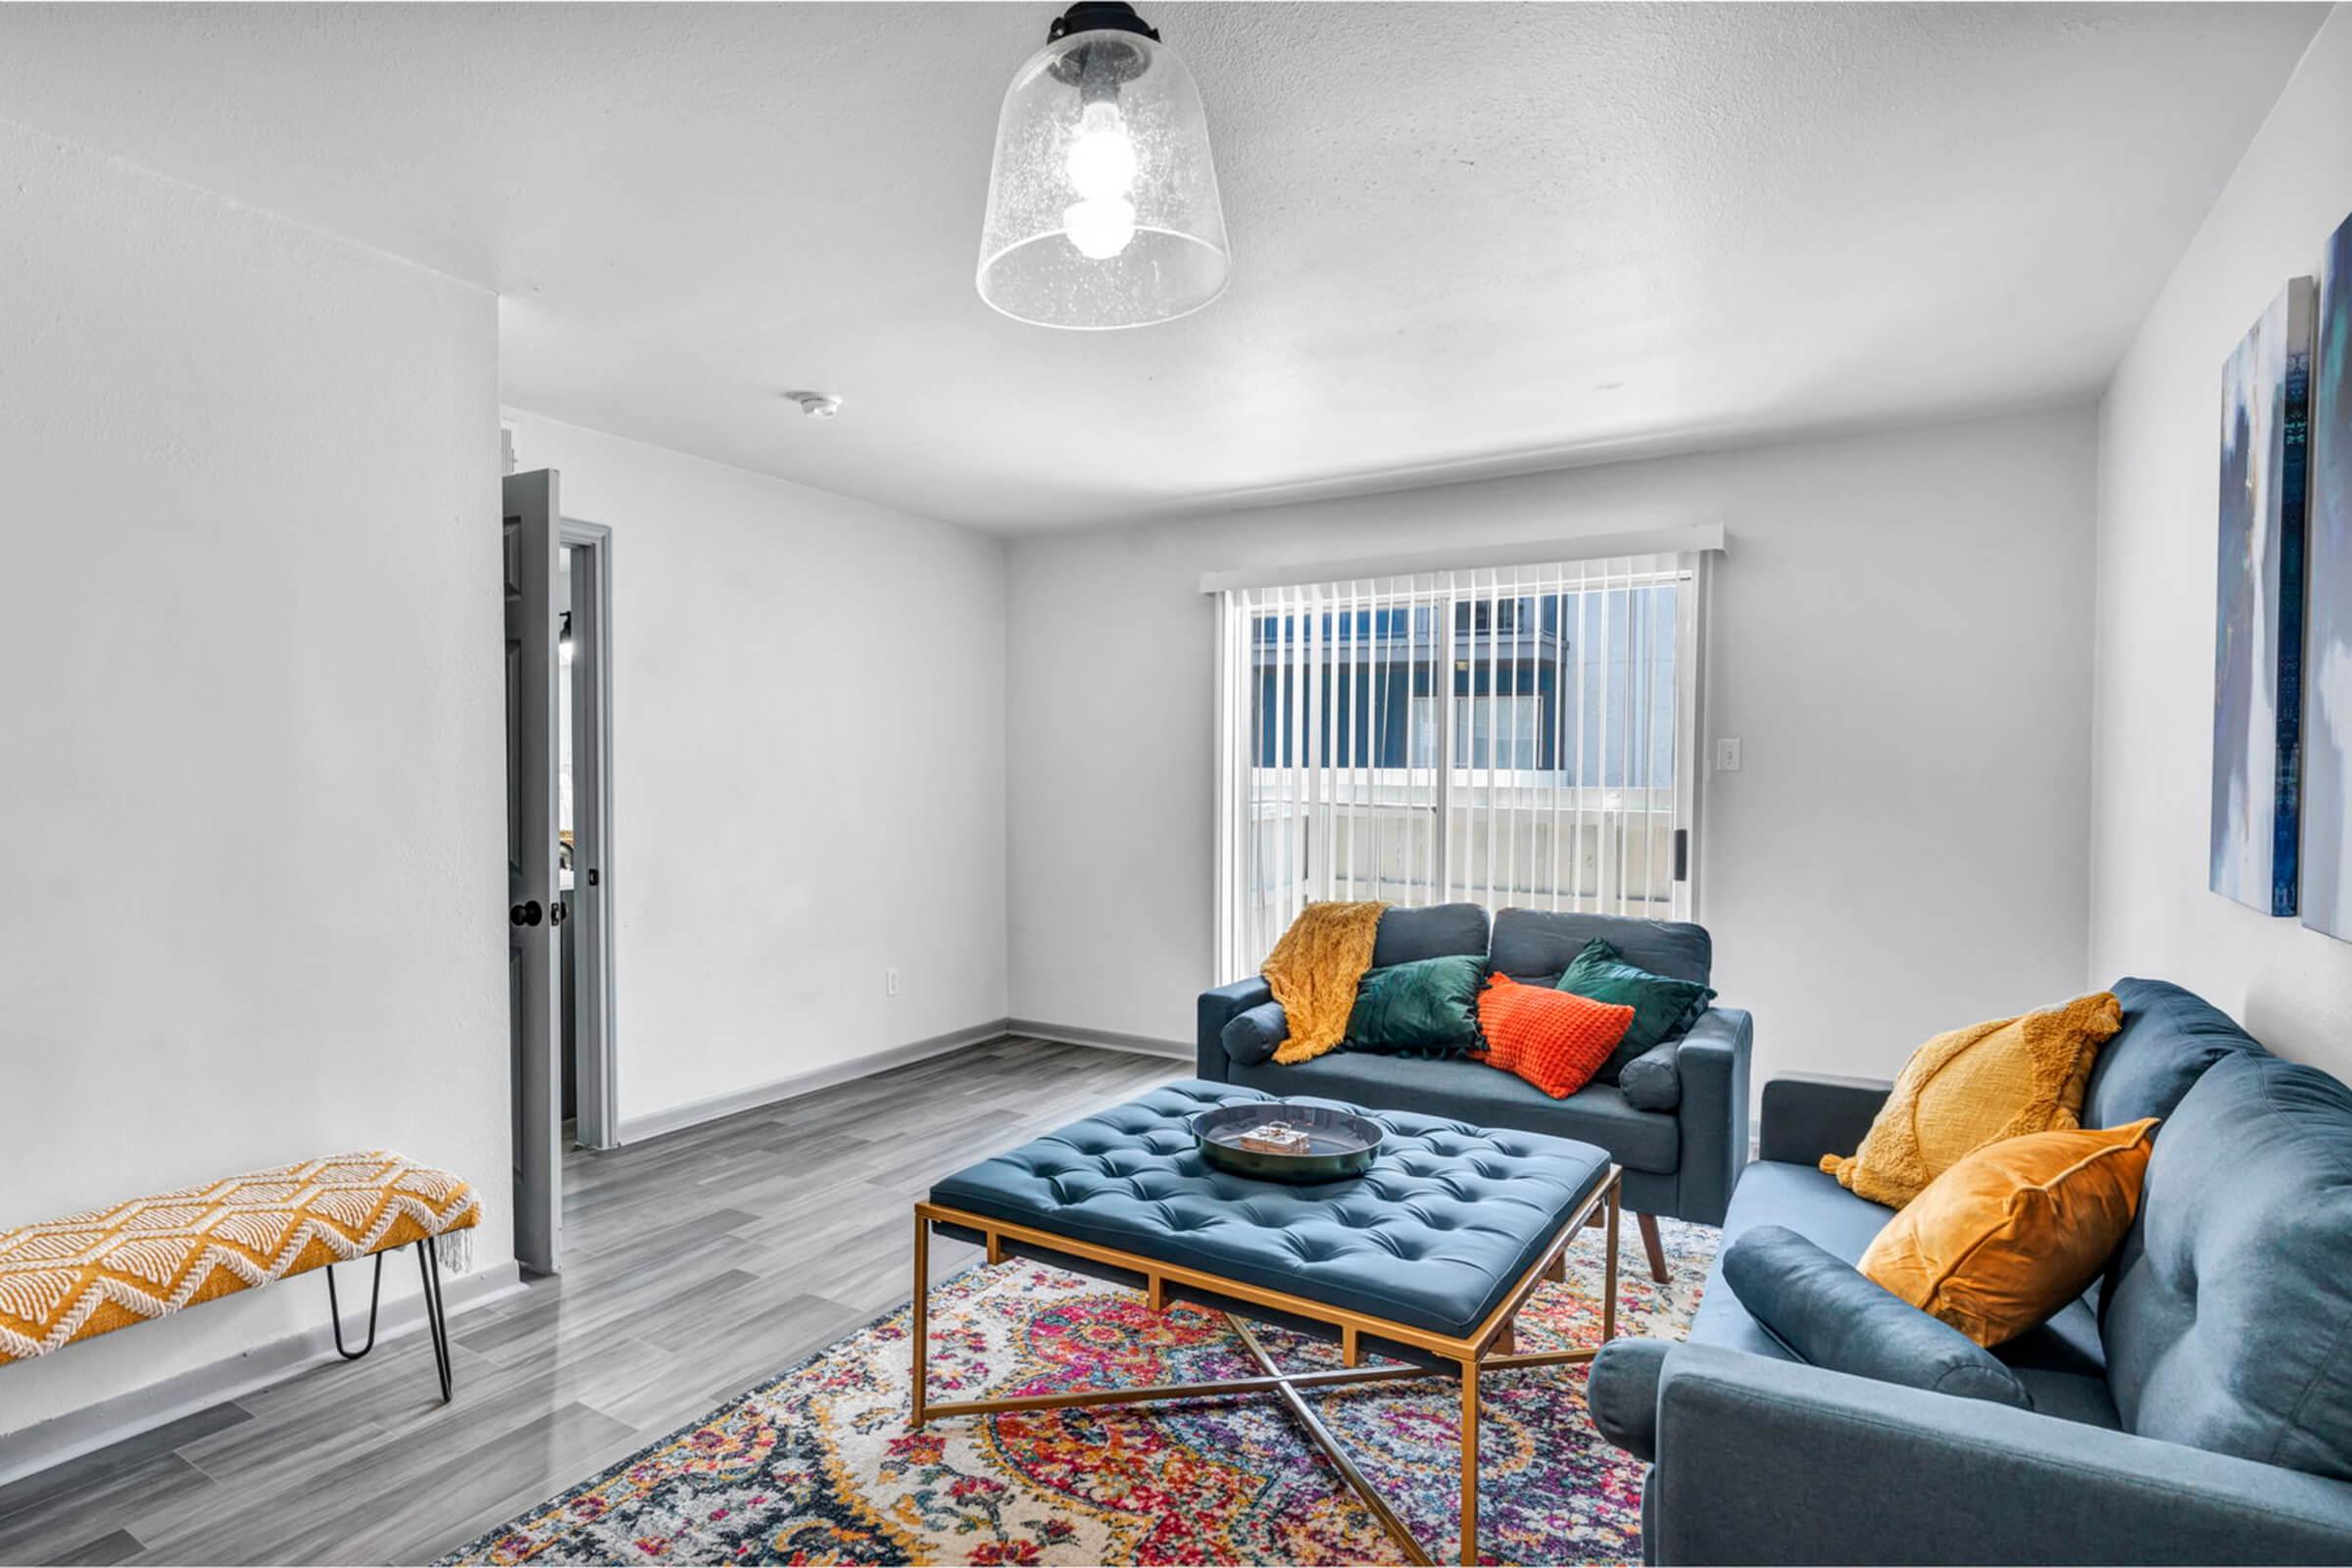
(252,850)
(1901,637)
(808,768)
(2159,446)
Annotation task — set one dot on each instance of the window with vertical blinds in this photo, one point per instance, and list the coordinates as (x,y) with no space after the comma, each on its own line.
(1507,736)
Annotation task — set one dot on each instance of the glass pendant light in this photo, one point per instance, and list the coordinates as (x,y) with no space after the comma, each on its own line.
(1103,207)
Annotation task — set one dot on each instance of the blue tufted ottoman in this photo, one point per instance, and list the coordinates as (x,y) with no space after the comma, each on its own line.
(1429,1254)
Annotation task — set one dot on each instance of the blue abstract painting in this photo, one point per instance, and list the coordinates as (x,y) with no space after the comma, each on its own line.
(2327,718)
(2258,646)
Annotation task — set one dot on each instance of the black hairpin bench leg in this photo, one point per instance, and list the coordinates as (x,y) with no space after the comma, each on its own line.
(436,1321)
(334,1310)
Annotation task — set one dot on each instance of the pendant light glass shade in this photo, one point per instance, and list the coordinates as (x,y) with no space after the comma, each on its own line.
(1103,207)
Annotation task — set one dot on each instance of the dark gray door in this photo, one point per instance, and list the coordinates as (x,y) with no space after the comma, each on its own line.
(533,540)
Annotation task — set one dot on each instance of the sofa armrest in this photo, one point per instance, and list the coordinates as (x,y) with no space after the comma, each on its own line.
(1217,1009)
(1712,1063)
(1768,1461)
(1808,1115)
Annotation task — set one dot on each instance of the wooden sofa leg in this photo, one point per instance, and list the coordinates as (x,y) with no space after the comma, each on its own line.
(1653,1246)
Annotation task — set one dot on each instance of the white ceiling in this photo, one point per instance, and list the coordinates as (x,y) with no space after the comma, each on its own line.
(1467,238)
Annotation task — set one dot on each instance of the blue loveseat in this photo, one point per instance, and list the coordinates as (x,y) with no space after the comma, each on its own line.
(1677,1120)
(2195,1407)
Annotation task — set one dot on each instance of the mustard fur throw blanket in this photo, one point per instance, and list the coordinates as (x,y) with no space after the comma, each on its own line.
(1313,972)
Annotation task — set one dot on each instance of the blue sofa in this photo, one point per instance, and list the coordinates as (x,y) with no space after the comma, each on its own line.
(1677,1122)
(2195,1407)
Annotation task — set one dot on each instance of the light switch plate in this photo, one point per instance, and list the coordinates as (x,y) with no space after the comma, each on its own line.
(1726,754)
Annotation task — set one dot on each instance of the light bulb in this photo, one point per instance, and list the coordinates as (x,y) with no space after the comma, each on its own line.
(1100,229)
(1102,159)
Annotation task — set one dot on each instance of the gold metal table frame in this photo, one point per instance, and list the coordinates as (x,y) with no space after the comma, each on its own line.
(1489,1348)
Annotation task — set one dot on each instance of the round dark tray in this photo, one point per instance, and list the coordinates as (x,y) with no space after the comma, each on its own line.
(1339,1143)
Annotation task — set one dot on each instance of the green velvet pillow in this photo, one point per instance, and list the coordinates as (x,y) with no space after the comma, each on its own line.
(1662,1008)
(1428,1008)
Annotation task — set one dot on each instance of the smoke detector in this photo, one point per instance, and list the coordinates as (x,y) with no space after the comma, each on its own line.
(817,405)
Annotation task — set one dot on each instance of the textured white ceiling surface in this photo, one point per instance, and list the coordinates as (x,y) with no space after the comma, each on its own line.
(1467,238)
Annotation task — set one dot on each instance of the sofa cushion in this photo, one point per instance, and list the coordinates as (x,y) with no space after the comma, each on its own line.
(2228,1318)
(1433,931)
(1426,1008)
(1831,1315)
(1250,1035)
(2170,1037)
(1536,946)
(1468,1089)
(2067,1345)
(2069,1395)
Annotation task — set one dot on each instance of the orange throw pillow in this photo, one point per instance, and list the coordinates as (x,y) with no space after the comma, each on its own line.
(1555,1039)
(1502,1050)
(2015,1231)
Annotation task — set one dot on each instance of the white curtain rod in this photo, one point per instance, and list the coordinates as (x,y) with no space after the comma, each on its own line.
(1456,558)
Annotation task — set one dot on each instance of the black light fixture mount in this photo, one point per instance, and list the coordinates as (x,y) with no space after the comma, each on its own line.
(1101,65)
(1100,16)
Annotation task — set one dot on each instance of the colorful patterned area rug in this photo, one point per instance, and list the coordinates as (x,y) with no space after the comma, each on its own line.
(818,1466)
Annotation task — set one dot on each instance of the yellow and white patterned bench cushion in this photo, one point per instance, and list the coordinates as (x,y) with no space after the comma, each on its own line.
(87,1274)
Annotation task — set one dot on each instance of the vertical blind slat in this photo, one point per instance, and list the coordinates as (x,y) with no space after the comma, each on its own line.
(1649,664)
(1559,591)
(1510,891)
(1294,647)
(1349,690)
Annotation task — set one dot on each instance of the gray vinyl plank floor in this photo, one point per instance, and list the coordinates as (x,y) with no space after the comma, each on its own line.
(696,1267)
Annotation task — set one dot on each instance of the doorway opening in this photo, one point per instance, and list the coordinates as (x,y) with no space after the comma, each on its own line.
(584,836)
(559,860)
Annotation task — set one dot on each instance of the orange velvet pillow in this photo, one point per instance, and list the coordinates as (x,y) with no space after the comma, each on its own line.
(1555,1039)
(2016,1230)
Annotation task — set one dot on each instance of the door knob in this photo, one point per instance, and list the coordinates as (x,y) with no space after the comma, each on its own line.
(524,914)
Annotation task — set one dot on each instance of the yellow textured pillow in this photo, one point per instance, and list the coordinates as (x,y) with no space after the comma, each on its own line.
(1976,1086)
(2015,1231)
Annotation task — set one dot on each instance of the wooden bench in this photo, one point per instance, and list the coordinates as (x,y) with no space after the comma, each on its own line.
(89,1274)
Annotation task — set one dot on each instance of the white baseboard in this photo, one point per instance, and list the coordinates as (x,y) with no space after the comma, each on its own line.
(1107,1039)
(653,1124)
(77,1432)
